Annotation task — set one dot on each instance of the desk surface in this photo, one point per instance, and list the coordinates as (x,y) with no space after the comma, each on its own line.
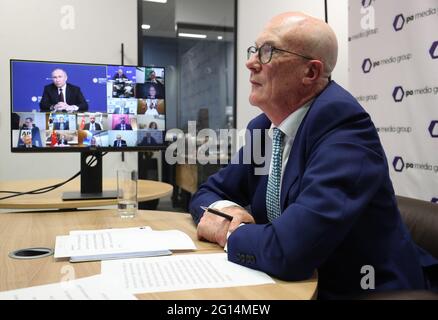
(21,230)
(147,190)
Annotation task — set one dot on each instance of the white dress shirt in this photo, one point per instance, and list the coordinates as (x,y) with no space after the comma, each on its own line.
(289,127)
(64,92)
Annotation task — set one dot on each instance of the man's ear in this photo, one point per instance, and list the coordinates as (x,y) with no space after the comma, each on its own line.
(314,71)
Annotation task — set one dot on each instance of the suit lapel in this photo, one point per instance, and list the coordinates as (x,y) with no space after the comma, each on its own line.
(68,95)
(54,93)
(292,170)
(290,175)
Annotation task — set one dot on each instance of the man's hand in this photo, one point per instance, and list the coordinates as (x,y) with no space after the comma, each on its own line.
(214,228)
(61,106)
(240,216)
(71,108)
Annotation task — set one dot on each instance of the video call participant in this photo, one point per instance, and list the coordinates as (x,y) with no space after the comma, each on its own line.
(157,83)
(122,125)
(121,108)
(119,75)
(152,108)
(28,125)
(327,204)
(148,140)
(93,142)
(62,141)
(152,92)
(149,90)
(62,96)
(61,124)
(122,87)
(152,77)
(27,142)
(119,142)
(92,125)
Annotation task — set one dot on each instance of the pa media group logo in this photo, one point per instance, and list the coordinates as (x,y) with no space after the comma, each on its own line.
(399,22)
(433,51)
(433,128)
(398,94)
(367,65)
(398,164)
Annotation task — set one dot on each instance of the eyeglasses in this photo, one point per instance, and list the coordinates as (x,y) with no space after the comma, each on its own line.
(265,53)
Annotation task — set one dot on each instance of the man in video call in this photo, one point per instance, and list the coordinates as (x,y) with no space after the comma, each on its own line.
(29,129)
(61,124)
(92,125)
(122,108)
(123,125)
(119,75)
(26,142)
(119,142)
(158,84)
(62,141)
(62,96)
(148,140)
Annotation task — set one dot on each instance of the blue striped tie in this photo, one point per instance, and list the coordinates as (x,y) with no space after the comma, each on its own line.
(273,188)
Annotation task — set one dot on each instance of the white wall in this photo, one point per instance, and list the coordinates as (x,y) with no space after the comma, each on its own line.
(338,20)
(208,12)
(254,14)
(34,30)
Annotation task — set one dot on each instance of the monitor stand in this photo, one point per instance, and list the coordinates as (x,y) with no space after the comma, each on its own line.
(91,180)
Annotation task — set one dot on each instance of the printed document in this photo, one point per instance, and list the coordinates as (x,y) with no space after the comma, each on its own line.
(88,245)
(180,272)
(90,288)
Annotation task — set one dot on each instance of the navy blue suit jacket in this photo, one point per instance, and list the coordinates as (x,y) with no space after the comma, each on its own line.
(74,97)
(339,211)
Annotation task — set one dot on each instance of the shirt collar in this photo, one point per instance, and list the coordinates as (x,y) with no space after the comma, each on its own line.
(290,125)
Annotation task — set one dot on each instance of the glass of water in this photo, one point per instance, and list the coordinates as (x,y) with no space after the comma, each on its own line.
(127,203)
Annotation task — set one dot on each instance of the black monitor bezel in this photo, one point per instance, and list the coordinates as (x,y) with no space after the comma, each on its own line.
(13,149)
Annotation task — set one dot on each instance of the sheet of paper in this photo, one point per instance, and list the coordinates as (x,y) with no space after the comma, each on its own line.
(130,240)
(144,228)
(180,272)
(90,288)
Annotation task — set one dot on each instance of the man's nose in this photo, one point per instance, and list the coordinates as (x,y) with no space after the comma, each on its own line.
(253,62)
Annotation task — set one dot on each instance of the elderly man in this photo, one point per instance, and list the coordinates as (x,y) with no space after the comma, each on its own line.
(328,203)
(119,142)
(62,96)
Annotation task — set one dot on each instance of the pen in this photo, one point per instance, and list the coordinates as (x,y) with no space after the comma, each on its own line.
(217,212)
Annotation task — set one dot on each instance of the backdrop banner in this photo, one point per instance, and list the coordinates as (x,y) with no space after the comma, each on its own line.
(393,72)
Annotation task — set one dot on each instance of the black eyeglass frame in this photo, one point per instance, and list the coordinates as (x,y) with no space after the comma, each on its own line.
(253,49)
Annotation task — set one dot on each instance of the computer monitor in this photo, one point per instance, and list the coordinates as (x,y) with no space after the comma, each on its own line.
(86,107)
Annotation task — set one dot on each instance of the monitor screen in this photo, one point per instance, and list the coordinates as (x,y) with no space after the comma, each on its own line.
(59,106)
